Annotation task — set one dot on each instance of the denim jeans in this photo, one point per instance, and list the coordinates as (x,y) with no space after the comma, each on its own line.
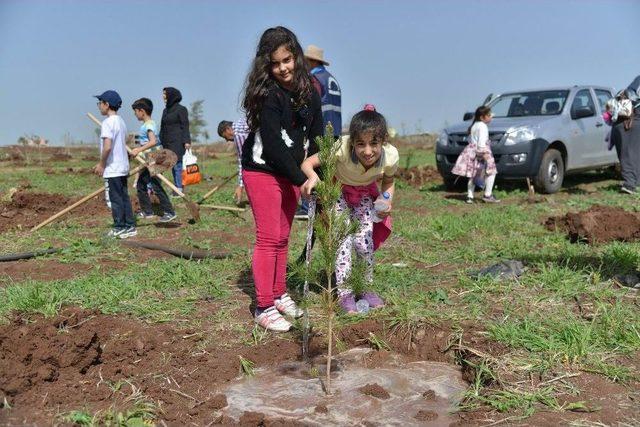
(121,209)
(177,174)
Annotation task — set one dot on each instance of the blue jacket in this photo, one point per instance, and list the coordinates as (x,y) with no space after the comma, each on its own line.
(331,98)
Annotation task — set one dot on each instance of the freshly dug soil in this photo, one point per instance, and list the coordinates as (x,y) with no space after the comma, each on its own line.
(598,224)
(68,362)
(375,390)
(27,209)
(418,176)
(60,157)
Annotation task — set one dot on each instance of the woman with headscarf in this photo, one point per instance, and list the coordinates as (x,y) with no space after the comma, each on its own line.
(174,129)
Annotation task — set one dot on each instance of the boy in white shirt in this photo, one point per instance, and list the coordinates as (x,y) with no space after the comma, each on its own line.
(114,165)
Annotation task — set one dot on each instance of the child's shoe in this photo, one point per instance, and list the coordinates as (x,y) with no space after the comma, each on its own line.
(272,320)
(128,232)
(286,305)
(144,215)
(115,232)
(490,199)
(373,299)
(347,302)
(469,200)
(168,217)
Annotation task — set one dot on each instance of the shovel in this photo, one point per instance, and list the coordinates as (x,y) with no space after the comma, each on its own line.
(193,208)
(305,290)
(160,161)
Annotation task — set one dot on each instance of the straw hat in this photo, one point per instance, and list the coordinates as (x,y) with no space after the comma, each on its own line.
(315,53)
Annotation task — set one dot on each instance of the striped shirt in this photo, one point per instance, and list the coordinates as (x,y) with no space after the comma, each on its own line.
(240,132)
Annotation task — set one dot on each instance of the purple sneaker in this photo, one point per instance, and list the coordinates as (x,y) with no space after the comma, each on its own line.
(347,302)
(373,299)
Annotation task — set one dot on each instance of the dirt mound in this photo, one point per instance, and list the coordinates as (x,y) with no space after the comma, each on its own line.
(598,224)
(60,157)
(27,209)
(418,176)
(375,390)
(91,158)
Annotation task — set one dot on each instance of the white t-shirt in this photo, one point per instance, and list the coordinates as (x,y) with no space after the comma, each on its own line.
(479,135)
(113,127)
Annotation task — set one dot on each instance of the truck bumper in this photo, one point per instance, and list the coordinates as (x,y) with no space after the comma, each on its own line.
(514,161)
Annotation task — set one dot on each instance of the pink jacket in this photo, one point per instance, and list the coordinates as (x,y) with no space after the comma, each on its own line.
(353,194)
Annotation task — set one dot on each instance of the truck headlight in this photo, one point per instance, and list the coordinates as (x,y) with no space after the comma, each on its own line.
(443,138)
(519,135)
(518,158)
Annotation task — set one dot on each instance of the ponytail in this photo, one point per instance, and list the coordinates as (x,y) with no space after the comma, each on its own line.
(480,111)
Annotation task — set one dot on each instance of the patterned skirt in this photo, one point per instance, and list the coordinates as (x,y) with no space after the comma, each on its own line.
(469,162)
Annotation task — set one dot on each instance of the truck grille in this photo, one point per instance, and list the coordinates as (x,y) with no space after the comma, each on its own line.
(462,139)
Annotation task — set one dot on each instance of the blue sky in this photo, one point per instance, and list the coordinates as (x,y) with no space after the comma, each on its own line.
(421,63)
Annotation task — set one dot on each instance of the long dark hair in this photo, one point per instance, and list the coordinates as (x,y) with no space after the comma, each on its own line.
(260,80)
(480,111)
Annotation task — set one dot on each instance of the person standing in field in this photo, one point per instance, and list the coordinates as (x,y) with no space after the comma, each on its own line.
(148,140)
(476,159)
(283,112)
(237,132)
(114,165)
(174,130)
(330,97)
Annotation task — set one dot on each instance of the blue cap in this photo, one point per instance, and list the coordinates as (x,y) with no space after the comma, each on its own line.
(111,97)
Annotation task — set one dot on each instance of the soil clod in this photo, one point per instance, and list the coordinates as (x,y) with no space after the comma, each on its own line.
(426,416)
(418,176)
(375,390)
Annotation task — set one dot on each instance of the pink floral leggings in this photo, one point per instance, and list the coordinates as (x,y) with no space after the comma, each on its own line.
(361,241)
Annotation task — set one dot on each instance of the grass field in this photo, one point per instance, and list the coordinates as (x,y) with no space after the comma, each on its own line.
(559,345)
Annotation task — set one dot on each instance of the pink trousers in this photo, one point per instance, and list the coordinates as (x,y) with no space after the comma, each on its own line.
(273,201)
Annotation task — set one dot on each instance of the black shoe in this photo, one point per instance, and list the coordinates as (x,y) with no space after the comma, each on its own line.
(168,217)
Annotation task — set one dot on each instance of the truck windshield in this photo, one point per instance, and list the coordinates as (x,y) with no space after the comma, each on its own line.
(540,103)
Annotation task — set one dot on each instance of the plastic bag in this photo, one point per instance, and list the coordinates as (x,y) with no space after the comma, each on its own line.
(190,169)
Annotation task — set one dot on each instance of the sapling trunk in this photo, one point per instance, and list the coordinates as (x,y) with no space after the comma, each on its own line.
(332,228)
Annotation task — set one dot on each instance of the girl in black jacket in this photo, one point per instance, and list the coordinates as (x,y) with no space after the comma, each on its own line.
(284,113)
(174,129)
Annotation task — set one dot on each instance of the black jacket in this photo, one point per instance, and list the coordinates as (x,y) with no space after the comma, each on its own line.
(174,127)
(270,152)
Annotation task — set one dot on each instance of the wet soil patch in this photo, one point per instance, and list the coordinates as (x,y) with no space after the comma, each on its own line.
(418,176)
(598,224)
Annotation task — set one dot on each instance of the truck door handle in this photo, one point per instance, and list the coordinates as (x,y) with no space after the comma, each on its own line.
(599,124)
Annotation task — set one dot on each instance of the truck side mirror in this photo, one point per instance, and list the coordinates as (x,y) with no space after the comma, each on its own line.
(467,116)
(582,112)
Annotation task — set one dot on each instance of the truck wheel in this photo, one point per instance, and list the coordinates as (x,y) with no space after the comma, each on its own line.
(551,172)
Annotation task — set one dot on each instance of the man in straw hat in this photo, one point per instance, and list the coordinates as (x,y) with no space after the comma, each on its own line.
(329,88)
(330,95)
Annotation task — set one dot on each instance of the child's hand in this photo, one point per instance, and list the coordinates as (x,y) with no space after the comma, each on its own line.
(98,169)
(136,151)
(308,186)
(386,213)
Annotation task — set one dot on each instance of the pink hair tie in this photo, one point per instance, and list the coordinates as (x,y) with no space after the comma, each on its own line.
(369,107)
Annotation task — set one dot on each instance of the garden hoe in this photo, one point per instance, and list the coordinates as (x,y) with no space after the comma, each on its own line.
(193,208)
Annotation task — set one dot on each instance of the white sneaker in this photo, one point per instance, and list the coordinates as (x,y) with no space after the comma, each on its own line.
(272,320)
(128,232)
(286,305)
